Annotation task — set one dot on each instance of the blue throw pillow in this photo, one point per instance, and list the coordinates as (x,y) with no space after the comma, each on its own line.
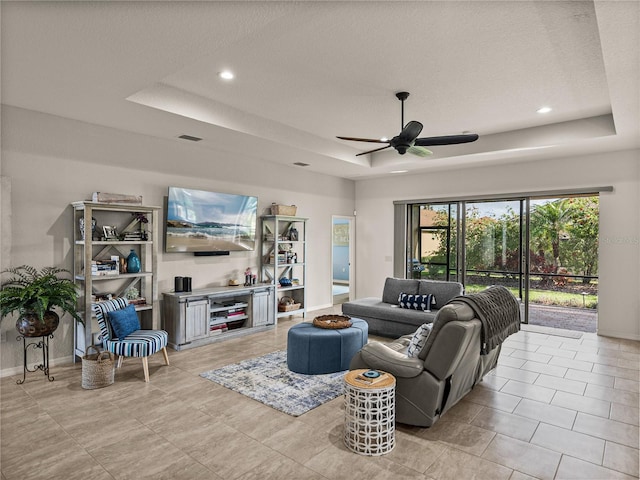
(415,302)
(124,321)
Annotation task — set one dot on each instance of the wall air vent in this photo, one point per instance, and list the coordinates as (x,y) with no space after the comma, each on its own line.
(301,164)
(189,137)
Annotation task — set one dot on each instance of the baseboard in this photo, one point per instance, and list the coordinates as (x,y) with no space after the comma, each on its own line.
(9,372)
(615,334)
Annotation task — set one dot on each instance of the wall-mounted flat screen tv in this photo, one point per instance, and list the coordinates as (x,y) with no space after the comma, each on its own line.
(210,222)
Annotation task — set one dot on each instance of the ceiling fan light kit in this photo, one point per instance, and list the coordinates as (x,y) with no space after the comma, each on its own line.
(407,140)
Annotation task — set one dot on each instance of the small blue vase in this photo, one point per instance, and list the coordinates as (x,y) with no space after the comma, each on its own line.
(133,262)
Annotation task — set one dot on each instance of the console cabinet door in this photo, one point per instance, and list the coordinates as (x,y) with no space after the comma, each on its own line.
(196,320)
(263,312)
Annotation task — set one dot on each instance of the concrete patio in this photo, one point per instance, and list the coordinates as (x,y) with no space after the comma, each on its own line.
(578,319)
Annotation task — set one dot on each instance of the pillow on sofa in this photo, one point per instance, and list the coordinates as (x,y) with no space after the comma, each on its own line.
(419,339)
(416,302)
(443,291)
(124,321)
(394,286)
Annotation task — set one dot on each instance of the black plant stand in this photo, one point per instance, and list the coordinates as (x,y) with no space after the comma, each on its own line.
(44,366)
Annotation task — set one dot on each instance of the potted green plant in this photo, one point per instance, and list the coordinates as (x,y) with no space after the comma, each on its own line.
(33,294)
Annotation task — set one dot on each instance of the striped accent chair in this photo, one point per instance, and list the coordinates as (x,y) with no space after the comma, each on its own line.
(141,343)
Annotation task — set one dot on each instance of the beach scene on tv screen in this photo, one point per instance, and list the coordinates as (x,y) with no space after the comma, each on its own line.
(200,221)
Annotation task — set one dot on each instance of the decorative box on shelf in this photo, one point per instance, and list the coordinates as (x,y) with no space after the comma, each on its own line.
(103,197)
(288,210)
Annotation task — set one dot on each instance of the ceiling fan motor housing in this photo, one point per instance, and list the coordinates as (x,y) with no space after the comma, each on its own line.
(400,145)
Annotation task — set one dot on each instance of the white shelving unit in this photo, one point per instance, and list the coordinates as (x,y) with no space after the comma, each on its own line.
(93,247)
(283,260)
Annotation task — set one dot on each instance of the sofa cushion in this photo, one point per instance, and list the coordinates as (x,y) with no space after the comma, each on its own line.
(419,340)
(415,302)
(372,307)
(393,287)
(442,292)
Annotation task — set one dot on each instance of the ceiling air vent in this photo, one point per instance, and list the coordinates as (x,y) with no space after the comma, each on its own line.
(301,164)
(189,137)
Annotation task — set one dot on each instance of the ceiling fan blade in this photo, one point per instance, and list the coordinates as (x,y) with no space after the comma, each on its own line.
(419,151)
(371,151)
(445,140)
(355,139)
(410,131)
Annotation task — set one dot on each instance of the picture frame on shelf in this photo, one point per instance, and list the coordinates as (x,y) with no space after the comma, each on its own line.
(109,232)
(293,234)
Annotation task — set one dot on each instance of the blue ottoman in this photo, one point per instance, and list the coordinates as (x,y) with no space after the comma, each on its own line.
(313,350)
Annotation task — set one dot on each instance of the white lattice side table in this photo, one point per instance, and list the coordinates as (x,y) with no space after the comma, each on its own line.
(370,414)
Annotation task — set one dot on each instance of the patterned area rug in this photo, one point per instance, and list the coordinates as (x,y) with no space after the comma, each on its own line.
(268,380)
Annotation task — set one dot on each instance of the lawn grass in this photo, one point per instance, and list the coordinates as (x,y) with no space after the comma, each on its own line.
(548,297)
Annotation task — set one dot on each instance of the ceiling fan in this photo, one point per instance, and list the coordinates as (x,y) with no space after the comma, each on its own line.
(407,140)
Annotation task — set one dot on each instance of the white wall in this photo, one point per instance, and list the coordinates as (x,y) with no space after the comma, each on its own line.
(49,161)
(619,283)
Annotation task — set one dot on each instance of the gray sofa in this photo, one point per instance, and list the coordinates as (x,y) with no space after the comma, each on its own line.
(442,365)
(386,318)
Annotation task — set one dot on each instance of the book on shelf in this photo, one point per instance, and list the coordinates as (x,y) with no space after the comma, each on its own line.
(104,267)
(231,303)
(217,320)
(218,329)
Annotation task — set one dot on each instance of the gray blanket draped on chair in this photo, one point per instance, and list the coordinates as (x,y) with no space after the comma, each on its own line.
(499,312)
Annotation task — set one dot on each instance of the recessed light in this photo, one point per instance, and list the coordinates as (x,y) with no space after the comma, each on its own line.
(399,171)
(544,110)
(226,75)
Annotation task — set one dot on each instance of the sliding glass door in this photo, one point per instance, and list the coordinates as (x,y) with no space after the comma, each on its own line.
(563,262)
(493,245)
(435,250)
(544,250)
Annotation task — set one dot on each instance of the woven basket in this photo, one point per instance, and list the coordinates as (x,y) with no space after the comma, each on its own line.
(287,210)
(287,304)
(97,371)
(288,308)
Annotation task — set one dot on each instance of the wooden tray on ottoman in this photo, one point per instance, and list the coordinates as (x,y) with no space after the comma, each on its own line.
(332,321)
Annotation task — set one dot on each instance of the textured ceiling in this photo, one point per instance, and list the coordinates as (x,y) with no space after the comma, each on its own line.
(308,71)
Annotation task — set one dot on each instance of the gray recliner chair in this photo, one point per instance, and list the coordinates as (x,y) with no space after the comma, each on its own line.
(444,371)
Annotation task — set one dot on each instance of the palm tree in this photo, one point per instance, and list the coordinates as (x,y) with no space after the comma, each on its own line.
(548,222)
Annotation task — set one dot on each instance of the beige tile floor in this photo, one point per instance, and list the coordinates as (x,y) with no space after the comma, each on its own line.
(554,408)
